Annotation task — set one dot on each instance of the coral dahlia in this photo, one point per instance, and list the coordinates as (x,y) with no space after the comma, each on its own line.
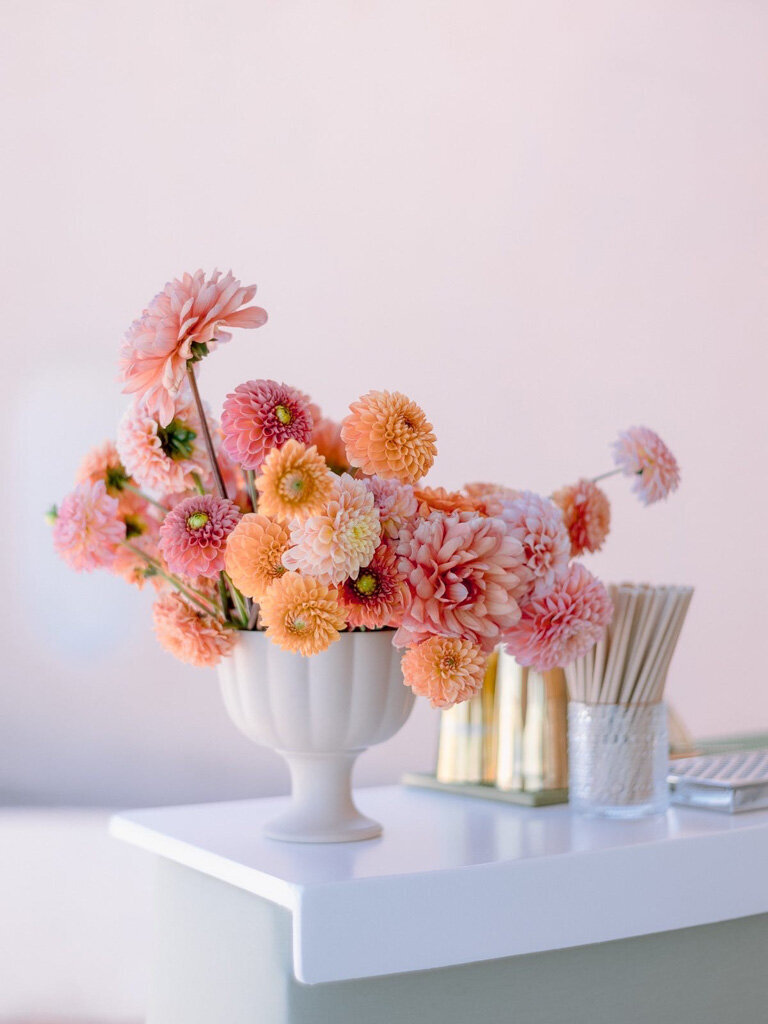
(301,614)
(388,434)
(446,670)
(254,554)
(586,514)
(295,482)
(191,635)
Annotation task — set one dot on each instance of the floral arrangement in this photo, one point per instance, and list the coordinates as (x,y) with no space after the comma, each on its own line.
(279,519)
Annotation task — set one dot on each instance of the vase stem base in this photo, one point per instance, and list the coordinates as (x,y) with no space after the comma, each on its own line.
(322,808)
(289,828)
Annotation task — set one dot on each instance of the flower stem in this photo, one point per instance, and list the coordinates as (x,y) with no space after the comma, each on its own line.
(146,497)
(206,432)
(238,600)
(604,476)
(250,485)
(198,483)
(187,591)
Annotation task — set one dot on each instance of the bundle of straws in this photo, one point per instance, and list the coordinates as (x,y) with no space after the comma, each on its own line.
(629,665)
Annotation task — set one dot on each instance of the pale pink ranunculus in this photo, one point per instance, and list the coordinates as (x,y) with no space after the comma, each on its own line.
(342,538)
(539,527)
(641,453)
(465,574)
(190,311)
(260,415)
(563,624)
(87,528)
(193,535)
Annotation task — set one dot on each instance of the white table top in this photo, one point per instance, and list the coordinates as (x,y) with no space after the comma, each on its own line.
(455,879)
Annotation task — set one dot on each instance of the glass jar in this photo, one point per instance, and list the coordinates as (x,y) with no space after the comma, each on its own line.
(618,759)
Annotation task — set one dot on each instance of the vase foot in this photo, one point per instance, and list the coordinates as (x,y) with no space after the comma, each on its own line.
(293,827)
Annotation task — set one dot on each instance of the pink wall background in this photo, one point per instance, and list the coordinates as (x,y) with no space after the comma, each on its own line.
(545,221)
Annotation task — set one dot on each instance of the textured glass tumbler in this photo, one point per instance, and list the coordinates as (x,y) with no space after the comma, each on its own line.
(618,759)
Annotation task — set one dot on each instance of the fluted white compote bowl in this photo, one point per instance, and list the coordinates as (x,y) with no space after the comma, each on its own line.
(319,713)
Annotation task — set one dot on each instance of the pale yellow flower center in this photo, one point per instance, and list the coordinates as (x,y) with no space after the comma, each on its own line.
(292,485)
(283,414)
(197,520)
(366,584)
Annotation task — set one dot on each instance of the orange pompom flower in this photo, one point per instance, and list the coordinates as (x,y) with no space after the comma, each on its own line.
(301,614)
(445,669)
(586,513)
(295,482)
(437,499)
(388,434)
(254,554)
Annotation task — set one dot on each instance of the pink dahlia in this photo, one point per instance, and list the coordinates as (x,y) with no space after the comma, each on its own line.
(87,528)
(562,625)
(396,503)
(261,415)
(165,459)
(193,535)
(341,539)
(377,595)
(184,321)
(465,575)
(586,514)
(538,525)
(641,453)
(190,635)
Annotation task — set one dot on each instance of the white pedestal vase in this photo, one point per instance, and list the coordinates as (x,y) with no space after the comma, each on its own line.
(319,713)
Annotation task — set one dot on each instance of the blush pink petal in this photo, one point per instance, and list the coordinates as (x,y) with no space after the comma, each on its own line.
(190,310)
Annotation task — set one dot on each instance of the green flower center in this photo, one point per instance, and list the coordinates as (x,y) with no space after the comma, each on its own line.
(197,520)
(283,414)
(116,478)
(366,583)
(134,527)
(176,440)
(199,350)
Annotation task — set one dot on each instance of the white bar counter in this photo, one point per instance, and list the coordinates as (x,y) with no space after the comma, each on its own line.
(455,880)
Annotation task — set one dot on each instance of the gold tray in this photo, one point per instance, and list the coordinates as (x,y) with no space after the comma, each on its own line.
(485,791)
